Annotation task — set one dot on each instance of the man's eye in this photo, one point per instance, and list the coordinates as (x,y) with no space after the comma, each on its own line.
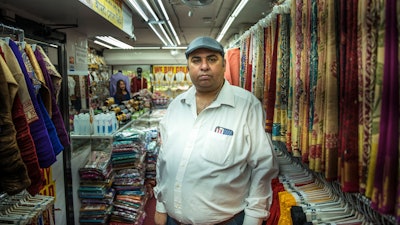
(212,59)
(195,60)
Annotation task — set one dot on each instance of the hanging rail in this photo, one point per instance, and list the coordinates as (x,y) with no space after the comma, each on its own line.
(5,29)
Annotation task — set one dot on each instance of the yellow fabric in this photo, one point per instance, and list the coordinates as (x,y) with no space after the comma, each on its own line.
(286,201)
(44,91)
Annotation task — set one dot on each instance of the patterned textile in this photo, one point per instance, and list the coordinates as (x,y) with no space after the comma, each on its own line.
(23,135)
(388,151)
(44,99)
(56,114)
(282,80)
(348,96)
(330,107)
(272,80)
(23,92)
(258,65)
(313,85)
(268,42)
(297,86)
(305,82)
(243,61)
(377,97)
(368,38)
(40,135)
(13,173)
(249,65)
(34,68)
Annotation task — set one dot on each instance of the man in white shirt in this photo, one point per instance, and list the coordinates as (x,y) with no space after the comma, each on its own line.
(216,162)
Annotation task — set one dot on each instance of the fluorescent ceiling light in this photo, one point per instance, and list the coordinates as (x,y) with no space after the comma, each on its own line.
(150,10)
(146,48)
(174,47)
(154,19)
(138,9)
(160,3)
(165,34)
(228,23)
(102,44)
(158,35)
(114,42)
(239,8)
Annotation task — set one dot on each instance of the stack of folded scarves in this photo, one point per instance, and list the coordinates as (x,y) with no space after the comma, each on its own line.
(128,161)
(95,191)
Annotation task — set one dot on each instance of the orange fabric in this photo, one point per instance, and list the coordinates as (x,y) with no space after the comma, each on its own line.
(232,66)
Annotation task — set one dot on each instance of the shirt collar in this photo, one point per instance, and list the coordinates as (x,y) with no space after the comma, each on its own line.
(225,96)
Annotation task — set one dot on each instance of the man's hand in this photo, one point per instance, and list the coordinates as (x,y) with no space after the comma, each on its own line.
(160,218)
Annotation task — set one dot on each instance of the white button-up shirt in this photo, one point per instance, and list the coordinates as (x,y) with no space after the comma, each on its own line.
(215,164)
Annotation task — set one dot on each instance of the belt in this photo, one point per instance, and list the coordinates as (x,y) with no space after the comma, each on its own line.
(220,223)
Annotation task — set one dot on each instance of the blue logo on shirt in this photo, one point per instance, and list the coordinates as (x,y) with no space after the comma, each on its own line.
(224,131)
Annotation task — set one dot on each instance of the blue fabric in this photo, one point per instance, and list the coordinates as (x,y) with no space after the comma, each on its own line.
(51,129)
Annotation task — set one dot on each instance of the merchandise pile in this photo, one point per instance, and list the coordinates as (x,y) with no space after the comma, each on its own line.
(128,161)
(95,189)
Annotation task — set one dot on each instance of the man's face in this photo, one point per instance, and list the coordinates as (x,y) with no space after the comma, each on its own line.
(206,69)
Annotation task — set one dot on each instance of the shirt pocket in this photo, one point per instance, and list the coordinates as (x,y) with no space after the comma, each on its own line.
(217,148)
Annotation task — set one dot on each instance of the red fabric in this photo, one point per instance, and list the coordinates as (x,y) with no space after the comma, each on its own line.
(348,97)
(270,102)
(138,84)
(275,210)
(27,147)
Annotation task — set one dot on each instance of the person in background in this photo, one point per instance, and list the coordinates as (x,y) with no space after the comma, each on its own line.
(121,94)
(138,82)
(216,162)
(113,82)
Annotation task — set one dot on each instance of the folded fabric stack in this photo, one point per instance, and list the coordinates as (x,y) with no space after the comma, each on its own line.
(128,161)
(95,190)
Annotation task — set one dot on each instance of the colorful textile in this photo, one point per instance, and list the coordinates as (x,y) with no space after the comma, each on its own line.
(40,135)
(388,148)
(348,96)
(56,117)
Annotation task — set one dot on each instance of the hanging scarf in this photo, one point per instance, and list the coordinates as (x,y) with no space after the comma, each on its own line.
(348,96)
(388,149)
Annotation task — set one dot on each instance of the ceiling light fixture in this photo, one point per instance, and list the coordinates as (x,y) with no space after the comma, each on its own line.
(154,19)
(114,42)
(228,23)
(178,42)
(146,48)
(102,44)
(158,35)
(174,47)
(139,9)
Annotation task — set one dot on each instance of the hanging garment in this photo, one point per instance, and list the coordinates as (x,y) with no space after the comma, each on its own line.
(44,97)
(368,18)
(40,135)
(13,176)
(232,66)
(23,92)
(385,185)
(24,137)
(348,97)
(57,119)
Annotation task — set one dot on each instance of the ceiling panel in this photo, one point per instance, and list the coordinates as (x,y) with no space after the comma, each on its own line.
(205,20)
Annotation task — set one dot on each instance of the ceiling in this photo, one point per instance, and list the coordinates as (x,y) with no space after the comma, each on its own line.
(189,22)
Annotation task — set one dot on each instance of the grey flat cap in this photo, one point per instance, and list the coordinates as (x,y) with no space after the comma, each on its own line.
(204,42)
